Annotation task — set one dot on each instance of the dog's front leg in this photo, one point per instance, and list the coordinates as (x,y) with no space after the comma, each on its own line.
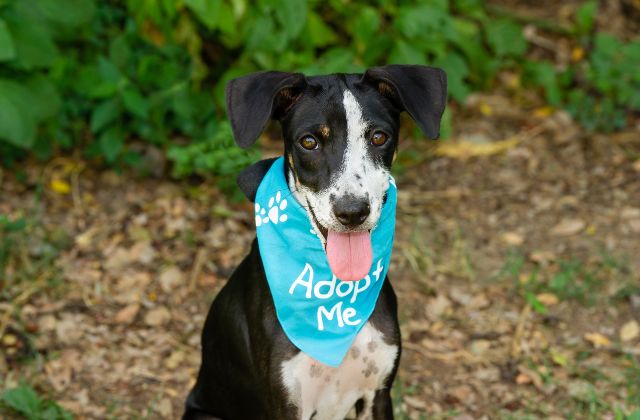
(382,408)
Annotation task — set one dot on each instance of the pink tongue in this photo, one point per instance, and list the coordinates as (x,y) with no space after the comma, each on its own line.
(349,254)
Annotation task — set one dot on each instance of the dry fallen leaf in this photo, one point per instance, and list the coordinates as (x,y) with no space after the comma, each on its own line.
(467,149)
(568,227)
(512,238)
(523,379)
(629,331)
(60,186)
(598,340)
(127,314)
(157,316)
(170,279)
(547,299)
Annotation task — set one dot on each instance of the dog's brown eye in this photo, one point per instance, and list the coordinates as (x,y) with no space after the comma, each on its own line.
(379,138)
(309,142)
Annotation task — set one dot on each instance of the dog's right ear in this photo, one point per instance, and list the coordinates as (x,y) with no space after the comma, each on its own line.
(254,99)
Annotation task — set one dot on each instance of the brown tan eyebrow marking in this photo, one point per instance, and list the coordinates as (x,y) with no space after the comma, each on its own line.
(324,131)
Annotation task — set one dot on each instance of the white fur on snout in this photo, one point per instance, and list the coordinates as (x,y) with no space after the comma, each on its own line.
(359,176)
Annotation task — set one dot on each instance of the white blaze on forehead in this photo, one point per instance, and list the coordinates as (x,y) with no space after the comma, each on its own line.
(355,161)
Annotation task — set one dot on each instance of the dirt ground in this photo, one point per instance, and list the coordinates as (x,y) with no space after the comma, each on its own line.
(515,263)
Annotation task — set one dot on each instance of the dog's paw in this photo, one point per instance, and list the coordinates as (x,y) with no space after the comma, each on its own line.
(273,212)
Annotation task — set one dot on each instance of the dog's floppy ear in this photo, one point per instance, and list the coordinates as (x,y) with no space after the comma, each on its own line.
(252,100)
(419,90)
(251,176)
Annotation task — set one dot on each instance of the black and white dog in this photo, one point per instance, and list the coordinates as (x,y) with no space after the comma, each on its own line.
(340,139)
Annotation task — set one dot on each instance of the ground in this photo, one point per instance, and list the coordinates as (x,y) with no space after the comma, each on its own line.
(515,264)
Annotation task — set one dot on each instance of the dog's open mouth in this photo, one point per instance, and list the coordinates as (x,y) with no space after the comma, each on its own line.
(349,253)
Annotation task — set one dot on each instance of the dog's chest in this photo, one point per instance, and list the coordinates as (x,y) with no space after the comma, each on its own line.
(325,392)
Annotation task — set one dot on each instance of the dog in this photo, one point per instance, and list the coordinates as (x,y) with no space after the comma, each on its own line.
(340,135)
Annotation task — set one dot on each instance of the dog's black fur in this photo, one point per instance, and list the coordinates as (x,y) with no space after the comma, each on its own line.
(243,344)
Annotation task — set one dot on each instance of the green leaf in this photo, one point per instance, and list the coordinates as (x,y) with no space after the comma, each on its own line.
(207,11)
(365,24)
(74,12)
(16,127)
(24,400)
(535,303)
(7,50)
(542,73)
(17,120)
(104,114)
(457,72)
(585,16)
(111,144)
(506,38)
(292,16)
(421,21)
(34,46)
(45,101)
(135,103)
(320,34)
(635,415)
(405,53)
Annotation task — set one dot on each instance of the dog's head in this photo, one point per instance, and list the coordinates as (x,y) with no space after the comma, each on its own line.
(340,134)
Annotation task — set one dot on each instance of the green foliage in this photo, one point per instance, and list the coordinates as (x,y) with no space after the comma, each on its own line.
(24,400)
(104,77)
(601,92)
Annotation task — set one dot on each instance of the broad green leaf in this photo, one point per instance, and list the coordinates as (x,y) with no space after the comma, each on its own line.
(104,114)
(108,71)
(111,144)
(71,12)
(506,38)
(7,50)
(457,72)
(45,101)
(405,53)
(20,111)
(135,103)
(34,46)
(24,400)
(320,34)
(207,11)
(292,16)
(16,127)
(365,24)
(421,21)
(119,52)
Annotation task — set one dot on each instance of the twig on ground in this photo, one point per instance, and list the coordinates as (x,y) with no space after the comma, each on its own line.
(517,335)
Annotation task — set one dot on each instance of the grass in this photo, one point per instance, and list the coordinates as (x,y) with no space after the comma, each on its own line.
(28,253)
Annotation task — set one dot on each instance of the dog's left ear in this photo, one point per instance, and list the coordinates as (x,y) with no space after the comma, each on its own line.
(250,178)
(419,90)
(254,99)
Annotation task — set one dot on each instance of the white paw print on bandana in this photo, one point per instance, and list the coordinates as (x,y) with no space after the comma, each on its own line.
(275,207)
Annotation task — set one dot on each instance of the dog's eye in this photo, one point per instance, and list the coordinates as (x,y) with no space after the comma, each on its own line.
(309,142)
(379,138)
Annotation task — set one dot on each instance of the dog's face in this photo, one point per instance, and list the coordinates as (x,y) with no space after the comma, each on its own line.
(340,136)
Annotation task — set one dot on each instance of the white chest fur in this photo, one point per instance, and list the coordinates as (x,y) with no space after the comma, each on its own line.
(331,392)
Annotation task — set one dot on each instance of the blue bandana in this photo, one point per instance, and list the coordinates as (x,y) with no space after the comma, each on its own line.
(319,313)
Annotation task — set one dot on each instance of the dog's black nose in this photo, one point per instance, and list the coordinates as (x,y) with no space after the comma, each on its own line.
(351,212)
